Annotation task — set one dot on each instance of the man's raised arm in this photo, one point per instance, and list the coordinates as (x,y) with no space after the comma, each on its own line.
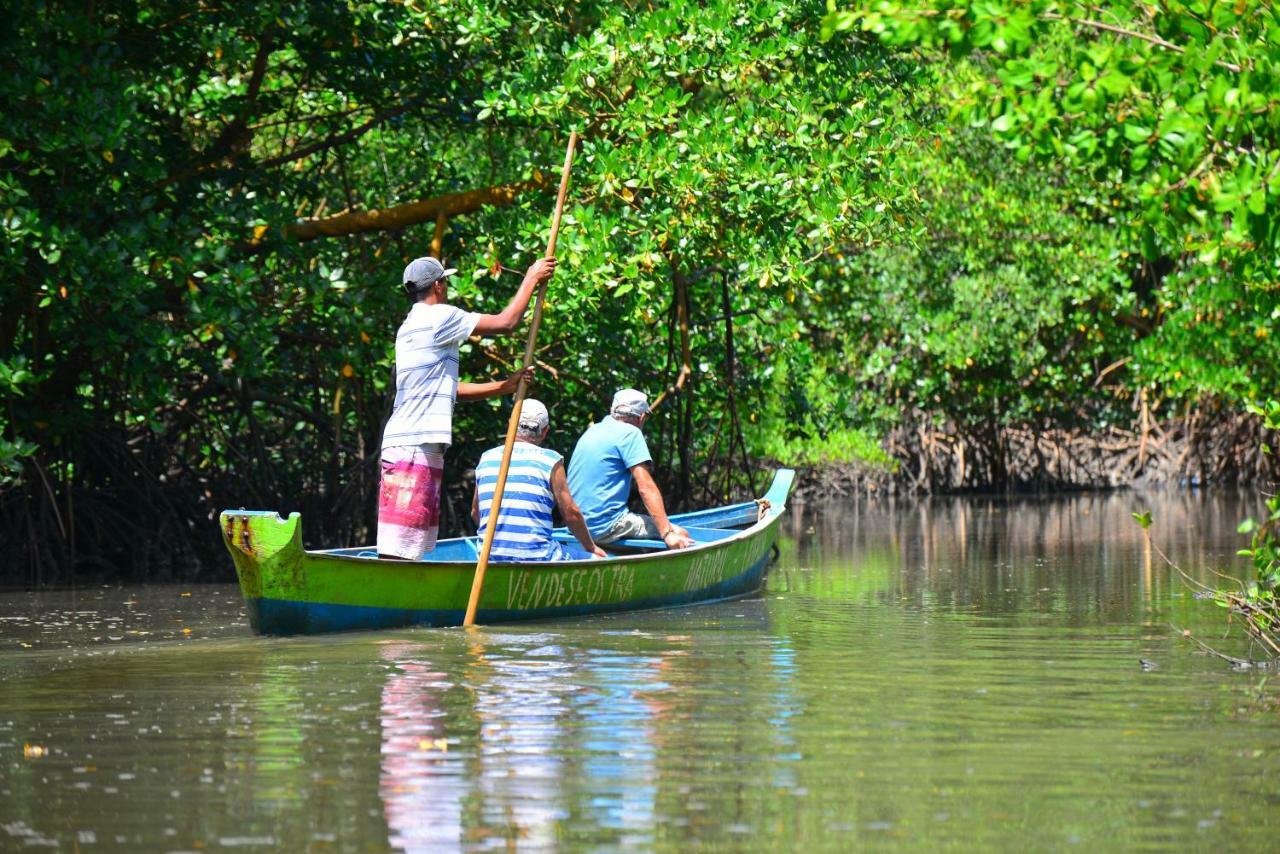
(508,319)
(495,388)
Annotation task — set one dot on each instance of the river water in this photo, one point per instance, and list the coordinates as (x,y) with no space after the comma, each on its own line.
(961,673)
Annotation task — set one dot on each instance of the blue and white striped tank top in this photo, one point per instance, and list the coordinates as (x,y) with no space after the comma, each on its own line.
(524,526)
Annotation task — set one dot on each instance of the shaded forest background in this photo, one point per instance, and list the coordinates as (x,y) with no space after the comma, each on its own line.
(951,246)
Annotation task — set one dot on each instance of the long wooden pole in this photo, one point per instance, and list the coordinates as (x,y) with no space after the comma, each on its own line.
(513,423)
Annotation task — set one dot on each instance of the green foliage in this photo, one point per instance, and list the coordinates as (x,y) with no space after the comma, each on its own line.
(1004,306)
(840,446)
(1264,548)
(1258,605)
(14,376)
(1180,97)
(12,453)
(809,238)
(1171,112)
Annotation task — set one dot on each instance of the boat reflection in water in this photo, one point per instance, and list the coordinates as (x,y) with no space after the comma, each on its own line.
(529,747)
(422,785)
(462,761)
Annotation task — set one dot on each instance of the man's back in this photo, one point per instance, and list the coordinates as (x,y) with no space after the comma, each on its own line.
(524,525)
(427,374)
(600,471)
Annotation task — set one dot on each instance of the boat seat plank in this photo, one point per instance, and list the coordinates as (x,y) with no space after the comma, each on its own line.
(733,516)
(562,535)
(708,535)
(699,535)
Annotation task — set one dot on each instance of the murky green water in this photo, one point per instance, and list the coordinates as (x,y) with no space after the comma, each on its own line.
(962,674)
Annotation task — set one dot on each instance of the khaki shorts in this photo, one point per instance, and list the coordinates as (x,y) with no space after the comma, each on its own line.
(632,526)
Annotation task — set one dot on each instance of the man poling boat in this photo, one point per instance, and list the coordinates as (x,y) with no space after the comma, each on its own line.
(420,429)
(482,563)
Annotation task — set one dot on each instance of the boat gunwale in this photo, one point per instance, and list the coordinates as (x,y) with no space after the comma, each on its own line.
(755,528)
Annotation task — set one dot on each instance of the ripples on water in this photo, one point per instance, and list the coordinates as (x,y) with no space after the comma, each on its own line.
(963,673)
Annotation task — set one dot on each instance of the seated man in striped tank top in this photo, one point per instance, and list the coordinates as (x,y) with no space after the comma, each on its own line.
(535,483)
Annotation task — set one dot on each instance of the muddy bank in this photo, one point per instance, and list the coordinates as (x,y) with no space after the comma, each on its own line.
(1201,448)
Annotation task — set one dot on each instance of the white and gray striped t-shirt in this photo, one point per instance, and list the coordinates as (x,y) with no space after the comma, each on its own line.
(427,374)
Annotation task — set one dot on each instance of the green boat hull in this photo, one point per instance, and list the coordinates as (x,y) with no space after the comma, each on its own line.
(289,590)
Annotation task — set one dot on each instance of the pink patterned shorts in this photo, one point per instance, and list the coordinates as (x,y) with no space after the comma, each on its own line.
(409,500)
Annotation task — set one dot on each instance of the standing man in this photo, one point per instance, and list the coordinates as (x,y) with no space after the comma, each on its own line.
(535,485)
(608,457)
(421,425)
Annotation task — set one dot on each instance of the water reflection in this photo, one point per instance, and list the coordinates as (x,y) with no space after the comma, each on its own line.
(958,675)
(422,785)
(541,741)
(618,732)
(539,721)
(1020,556)
(522,705)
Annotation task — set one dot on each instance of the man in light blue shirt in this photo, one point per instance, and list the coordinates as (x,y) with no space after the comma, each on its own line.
(608,458)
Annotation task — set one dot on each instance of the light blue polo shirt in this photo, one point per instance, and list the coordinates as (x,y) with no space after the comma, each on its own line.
(600,471)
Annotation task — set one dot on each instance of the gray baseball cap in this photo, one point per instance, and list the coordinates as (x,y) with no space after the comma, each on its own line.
(424,272)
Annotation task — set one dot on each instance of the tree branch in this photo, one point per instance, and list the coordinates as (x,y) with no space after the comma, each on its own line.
(336,139)
(1133,34)
(236,134)
(412,213)
(681,298)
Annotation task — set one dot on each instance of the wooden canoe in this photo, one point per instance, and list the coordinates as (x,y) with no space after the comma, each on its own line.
(290,590)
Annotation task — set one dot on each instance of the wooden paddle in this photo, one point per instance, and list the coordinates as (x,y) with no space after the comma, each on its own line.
(495,509)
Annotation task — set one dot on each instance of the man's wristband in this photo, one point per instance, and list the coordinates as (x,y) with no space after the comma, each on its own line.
(668,531)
